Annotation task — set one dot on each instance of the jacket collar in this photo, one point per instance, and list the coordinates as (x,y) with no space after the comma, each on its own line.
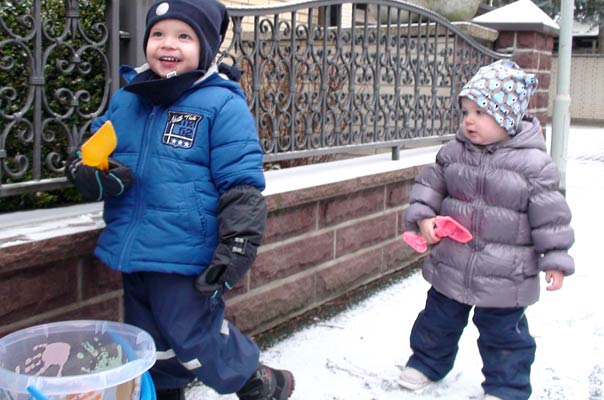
(529,136)
(162,91)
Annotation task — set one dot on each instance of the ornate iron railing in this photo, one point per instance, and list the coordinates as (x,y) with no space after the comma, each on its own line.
(322,77)
(330,76)
(56,76)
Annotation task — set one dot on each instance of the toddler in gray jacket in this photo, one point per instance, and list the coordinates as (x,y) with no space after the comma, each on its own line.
(497,180)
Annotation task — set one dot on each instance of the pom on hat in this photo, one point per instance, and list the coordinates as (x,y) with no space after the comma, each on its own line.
(503,90)
(208,18)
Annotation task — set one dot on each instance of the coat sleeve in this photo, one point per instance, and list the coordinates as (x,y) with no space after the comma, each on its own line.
(427,195)
(236,156)
(242,216)
(549,217)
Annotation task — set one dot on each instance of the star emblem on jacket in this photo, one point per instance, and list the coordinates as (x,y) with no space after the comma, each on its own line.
(180,129)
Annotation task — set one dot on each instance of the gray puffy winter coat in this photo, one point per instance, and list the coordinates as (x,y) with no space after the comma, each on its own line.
(507,195)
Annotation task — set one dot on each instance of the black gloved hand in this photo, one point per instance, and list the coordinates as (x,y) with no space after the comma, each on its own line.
(241,221)
(231,262)
(95,184)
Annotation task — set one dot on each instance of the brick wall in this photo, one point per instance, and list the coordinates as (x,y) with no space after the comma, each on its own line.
(533,53)
(320,243)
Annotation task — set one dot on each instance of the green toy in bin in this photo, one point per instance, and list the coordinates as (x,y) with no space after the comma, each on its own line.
(77,360)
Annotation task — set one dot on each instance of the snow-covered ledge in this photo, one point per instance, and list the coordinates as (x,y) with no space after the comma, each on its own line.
(30,226)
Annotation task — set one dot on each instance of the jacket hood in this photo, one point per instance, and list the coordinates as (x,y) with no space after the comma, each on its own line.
(529,136)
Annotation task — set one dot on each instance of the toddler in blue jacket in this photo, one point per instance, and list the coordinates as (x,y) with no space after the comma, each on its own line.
(183,206)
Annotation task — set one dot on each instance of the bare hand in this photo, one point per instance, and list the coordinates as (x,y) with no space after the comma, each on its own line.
(554,278)
(426,226)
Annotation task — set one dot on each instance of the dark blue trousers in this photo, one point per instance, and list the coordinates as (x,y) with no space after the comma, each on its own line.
(505,344)
(192,337)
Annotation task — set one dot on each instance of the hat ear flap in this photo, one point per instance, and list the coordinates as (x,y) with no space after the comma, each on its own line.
(224,26)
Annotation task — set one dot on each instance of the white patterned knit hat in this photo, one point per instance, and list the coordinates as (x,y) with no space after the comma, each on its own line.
(503,90)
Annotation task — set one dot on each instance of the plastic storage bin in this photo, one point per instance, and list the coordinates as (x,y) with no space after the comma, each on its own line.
(77,360)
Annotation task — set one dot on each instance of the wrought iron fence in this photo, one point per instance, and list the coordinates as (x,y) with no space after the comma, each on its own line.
(322,77)
(57,69)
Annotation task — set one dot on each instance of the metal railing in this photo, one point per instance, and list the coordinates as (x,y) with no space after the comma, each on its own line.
(56,76)
(322,77)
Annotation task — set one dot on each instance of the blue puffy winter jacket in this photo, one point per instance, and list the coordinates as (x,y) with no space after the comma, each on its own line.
(184,157)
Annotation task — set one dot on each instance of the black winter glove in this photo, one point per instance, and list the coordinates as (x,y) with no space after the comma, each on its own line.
(241,220)
(95,184)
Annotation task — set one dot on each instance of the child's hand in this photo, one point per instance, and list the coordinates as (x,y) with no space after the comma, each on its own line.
(554,278)
(426,226)
(95,184)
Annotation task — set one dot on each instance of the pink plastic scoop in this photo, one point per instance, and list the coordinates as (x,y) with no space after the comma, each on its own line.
(443,227)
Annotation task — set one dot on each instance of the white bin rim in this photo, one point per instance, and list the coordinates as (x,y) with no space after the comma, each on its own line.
(139,361)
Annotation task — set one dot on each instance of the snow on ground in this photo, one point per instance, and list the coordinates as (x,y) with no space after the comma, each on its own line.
(357,354)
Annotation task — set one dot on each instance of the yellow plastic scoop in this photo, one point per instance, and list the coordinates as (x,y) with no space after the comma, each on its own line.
(96,150)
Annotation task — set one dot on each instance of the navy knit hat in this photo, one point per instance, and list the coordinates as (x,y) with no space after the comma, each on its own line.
(208,18)
(503,90)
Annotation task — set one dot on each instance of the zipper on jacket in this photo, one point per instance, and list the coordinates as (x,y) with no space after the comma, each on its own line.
(140,167)
(475,218)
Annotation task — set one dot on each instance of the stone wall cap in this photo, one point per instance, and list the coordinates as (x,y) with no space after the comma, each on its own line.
(306,176)
(31,226)
(523,15)
(28,226)
(476,31)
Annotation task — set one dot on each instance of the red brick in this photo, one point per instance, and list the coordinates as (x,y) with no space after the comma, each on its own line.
(400,223)
(107,309)
(545,80)
(26,293)
(545,62)
(266,308)
(45,251)
(365,233)
(505,40)
(549,45)
(291,258)
(398,255)
(541,41)
(397,194)
(349,274)
(282,224)
(97,278)
(526,40)
(351,206)
(527,59)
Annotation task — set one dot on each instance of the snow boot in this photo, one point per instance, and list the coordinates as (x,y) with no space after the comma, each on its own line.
(268,384)
(413,379)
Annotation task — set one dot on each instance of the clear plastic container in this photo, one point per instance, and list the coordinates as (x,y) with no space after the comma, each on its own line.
(75,360)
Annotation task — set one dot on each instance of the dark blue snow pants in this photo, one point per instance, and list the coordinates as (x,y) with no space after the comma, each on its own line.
(505,344)
(192,337)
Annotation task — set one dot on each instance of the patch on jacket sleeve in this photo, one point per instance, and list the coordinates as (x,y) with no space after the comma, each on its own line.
(180,129)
